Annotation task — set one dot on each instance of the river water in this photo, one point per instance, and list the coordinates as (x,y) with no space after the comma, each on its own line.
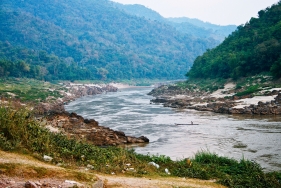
(129,110)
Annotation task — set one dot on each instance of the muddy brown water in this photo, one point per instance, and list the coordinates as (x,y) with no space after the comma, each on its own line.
(256,138)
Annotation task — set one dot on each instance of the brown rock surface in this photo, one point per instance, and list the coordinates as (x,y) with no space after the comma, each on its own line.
(203,102)
(78,127)
(58,120)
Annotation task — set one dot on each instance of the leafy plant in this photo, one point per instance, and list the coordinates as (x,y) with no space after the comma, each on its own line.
(161,159)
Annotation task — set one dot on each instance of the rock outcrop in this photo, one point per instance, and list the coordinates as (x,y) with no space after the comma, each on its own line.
(73,91)
(262,108)
(58,120)
(185,99)
(90,130)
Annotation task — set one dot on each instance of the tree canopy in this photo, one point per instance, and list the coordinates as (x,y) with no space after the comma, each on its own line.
(253,48)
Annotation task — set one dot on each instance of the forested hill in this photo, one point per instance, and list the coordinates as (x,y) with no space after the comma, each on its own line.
(96,37)
(194,27)
(253,48)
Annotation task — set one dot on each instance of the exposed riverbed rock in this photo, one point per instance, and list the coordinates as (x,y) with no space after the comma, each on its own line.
(73,91)
(90,130)
(176,97)
(58,120)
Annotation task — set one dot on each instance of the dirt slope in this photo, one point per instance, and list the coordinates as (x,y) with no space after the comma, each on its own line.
(17,169)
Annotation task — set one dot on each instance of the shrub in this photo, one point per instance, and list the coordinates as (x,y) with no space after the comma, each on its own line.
(249,90)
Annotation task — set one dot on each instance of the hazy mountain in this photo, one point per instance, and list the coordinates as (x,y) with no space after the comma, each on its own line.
(194,27)
(217,31)
(140,11)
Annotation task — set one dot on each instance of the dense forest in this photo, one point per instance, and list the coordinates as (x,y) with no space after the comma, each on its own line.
(253,48)
(21,62)
(91,39)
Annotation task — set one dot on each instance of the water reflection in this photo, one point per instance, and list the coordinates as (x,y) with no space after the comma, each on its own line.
(253,137)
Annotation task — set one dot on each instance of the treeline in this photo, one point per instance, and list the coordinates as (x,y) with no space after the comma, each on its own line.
(253,48)
(21,62)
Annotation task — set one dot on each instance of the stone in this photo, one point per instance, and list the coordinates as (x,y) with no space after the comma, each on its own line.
(71,183)
(47,158)
(141,139)
(30,184)
(98,184)
(154,164)
(90,166)
(167,171)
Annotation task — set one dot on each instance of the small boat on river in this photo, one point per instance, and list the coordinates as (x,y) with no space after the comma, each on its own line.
(186,124)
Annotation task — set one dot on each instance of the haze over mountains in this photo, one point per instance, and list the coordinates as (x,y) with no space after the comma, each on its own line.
(194,27)
(96,39)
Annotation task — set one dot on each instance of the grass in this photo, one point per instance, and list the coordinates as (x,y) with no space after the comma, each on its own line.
(244,86)
(228,172)
(249,90)
(32,171)
(29,90)
(254,84)
(207,85)
(22,133)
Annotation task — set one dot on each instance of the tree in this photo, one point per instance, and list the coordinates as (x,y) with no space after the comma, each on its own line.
(276,68)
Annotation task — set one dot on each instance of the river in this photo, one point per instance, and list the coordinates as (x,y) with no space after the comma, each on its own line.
(256,138)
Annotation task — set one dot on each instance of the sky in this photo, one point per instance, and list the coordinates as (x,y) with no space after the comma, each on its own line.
(221,12)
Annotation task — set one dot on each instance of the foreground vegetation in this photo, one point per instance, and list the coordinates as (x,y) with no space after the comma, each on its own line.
(21,132)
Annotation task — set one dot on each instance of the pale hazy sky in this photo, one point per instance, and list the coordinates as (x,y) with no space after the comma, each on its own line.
(222,12)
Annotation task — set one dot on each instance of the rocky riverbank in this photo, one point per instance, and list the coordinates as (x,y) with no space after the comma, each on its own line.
(58,120)
(223,101)
(88,129)
(70,93)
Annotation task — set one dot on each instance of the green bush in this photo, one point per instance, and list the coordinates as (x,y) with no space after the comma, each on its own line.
(249,90)
(229,172)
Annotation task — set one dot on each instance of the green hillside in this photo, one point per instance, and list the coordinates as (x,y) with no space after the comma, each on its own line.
(253,48)
(21,62)
(97,38)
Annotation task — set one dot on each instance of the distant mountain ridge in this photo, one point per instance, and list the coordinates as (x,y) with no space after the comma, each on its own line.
(194,27)
(140,11)
(96,36)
